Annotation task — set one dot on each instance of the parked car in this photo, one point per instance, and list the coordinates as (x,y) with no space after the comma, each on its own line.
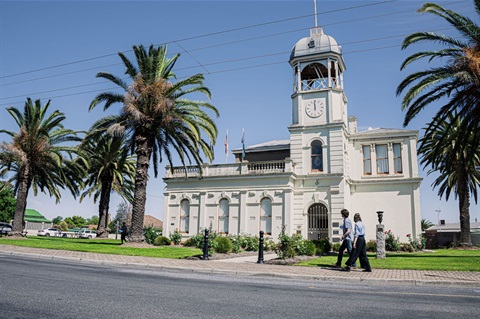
(87,233)
(5,229)
(49,232)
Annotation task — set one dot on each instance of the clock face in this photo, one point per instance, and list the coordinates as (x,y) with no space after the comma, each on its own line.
(314,108)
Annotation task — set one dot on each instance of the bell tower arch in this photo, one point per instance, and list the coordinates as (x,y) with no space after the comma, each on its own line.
(318,67)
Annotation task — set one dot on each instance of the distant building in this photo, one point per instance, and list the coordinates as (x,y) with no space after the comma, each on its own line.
(448,234)
(301,184)
(35,221)
(150,221)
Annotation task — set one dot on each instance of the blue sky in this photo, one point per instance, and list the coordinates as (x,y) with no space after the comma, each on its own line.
(53,50)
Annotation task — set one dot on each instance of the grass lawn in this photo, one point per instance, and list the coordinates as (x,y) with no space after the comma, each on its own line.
(440,259)
(103,246)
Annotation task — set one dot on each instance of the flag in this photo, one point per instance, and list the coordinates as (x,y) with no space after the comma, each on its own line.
(226,146)
(243,144)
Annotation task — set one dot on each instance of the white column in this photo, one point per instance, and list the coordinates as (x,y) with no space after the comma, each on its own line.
(166,216)
(242,211)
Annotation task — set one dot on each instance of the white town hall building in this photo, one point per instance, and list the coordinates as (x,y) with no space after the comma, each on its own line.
(303,183)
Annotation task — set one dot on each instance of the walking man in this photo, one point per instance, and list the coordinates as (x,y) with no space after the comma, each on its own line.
(347,238)
(124,231)
(359,246)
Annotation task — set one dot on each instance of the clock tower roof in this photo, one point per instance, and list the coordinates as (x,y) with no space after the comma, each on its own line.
(317,42)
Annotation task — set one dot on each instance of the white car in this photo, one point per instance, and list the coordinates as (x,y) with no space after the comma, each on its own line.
(87,233)
(49,232)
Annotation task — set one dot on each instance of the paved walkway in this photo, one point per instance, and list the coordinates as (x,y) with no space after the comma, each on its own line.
(247,266)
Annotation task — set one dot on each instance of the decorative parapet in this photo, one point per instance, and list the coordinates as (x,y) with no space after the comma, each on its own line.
(243,168)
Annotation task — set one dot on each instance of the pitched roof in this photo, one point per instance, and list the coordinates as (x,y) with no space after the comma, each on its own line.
(149,220)
(453,227)
(31,215)
(266,146)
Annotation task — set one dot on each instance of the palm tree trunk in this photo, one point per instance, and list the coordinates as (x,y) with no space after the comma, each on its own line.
(143,152)
(103,208)
(464,207)
(22,195)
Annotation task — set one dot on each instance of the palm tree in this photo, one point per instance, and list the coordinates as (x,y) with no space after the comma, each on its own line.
(426,224)
(448,149)
(156,116)
(457,82)
(456,85)
(37,155)
(108,168)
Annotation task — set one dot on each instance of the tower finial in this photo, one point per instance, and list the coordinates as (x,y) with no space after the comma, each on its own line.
(315,10)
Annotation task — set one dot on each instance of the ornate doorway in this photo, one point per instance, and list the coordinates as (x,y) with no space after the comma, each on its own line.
(317,222)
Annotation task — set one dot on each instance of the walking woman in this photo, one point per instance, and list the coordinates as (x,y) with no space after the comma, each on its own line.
(359,246)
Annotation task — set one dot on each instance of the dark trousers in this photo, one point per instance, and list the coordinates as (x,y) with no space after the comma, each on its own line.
(346,244)
(360,251)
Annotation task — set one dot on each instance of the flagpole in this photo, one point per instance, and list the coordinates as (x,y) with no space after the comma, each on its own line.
(243,144)
(226,148)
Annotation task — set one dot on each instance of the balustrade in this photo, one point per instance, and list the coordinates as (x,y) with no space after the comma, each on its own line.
(267,167)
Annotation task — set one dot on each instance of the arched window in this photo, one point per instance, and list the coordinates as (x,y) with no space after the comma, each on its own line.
(266,216)
(314,76)
(317,156)
(184,216)
(223,214)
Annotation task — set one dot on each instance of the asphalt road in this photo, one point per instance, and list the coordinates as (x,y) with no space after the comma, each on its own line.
(40,288)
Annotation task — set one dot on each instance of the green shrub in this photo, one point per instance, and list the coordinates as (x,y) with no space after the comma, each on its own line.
(198,241)
(236,241)
(392,243)
(268,244)
(371,246)
(194,241)
(299,244)
(176,237)
(417,244)
(250,243)
(224,245)
(150,234)
(323,246)
(285,248)
(310,248)
(161,241)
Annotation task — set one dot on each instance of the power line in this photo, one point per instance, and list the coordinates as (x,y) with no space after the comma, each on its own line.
(219,62)
(226,43)
(203,36)
(211,73)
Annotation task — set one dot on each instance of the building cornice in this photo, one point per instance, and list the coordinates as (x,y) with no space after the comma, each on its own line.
(384,181)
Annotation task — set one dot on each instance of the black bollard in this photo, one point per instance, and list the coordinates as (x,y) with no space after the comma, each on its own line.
(260,249)
(205,245)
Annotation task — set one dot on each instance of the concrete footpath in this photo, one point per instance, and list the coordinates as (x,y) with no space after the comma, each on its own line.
(247,266)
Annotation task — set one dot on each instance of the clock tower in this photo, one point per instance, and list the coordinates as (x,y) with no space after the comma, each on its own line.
(319,104)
